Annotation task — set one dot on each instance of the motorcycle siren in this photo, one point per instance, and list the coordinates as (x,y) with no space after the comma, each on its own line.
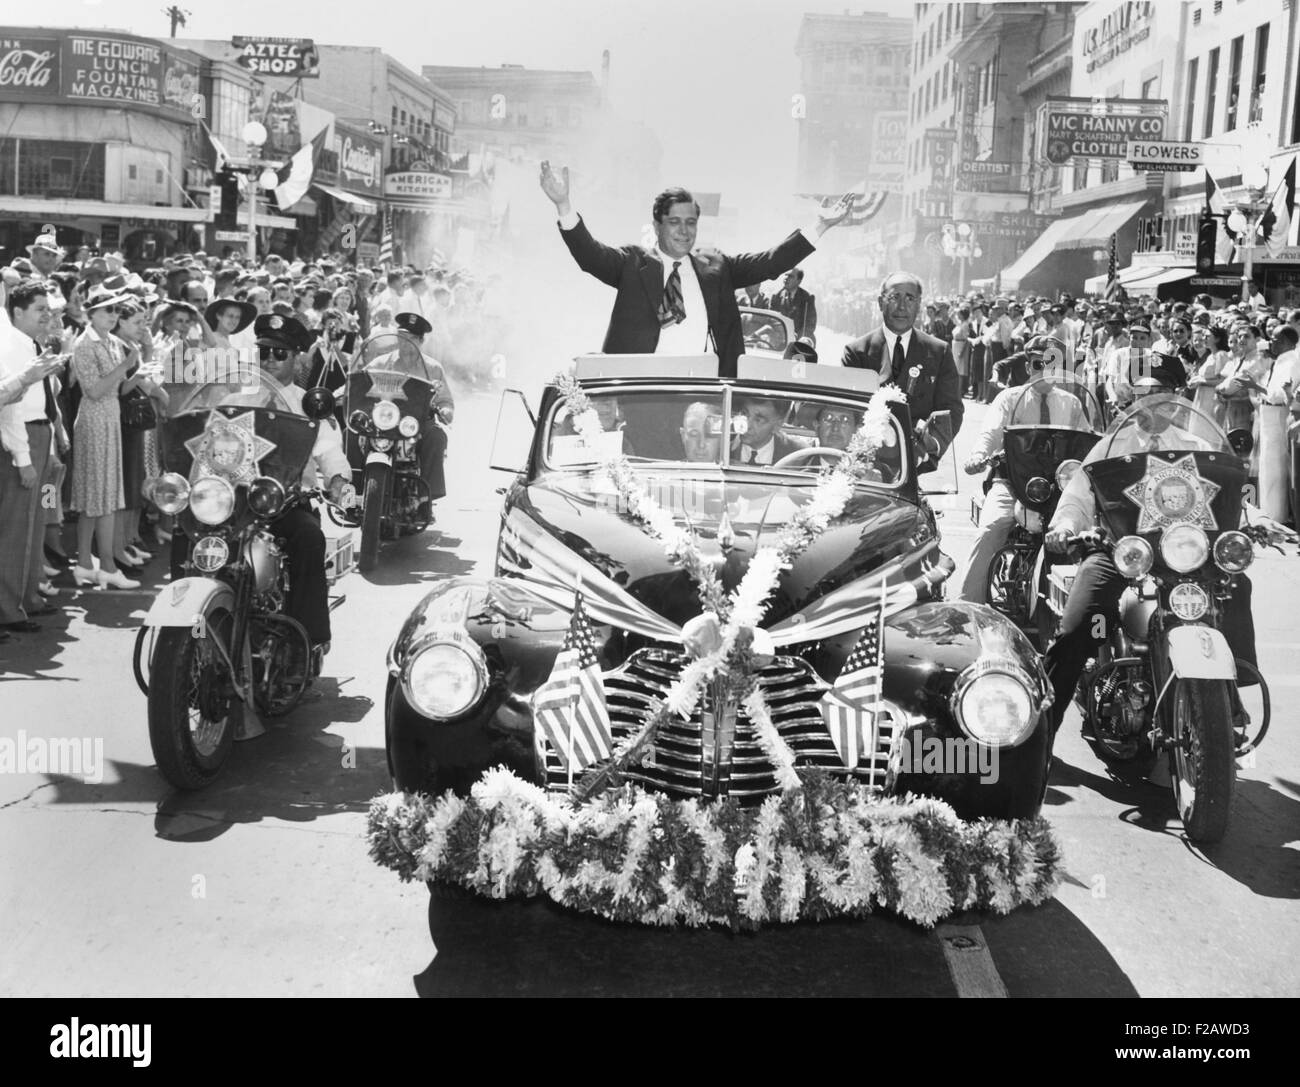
(318,403)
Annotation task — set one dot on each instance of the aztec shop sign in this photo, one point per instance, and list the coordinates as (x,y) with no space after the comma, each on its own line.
(115,69)
(1102,128)
(293,57)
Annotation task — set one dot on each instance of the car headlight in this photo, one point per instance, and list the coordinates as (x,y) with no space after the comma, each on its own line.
(409,427)
(1188,601)
(994,703)
(386,415)
(171,492)
(265,496)
(1133,556)
(1233,552)
(445,675)
(1038,489)
(1184,548)
(212,500)
(1065,472)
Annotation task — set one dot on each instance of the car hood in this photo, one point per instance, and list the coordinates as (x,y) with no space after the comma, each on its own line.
(730,515)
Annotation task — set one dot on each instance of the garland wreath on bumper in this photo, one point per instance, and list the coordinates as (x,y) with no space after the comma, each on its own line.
(820,848)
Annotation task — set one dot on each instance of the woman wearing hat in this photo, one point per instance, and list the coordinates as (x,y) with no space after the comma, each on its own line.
(99,365)
(228,324)
(139,447)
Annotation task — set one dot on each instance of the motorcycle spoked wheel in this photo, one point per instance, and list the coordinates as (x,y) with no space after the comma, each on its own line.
(1202,761)
(191,727)
(281,663)
(1004,588)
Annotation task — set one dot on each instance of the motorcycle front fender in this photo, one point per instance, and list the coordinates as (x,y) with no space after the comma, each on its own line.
(182,602)
(1200,652)
(379,458)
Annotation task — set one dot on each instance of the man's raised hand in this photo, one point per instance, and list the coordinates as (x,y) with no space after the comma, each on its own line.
(556,187)
(836,213)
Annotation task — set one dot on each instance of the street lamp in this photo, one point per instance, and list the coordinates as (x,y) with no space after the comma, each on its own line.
(967,246)
(1249,202)
(255,135)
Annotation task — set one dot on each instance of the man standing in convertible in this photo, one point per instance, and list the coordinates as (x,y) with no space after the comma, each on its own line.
(672,301)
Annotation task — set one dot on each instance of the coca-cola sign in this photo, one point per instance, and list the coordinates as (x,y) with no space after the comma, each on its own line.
(361,162)
(29,65)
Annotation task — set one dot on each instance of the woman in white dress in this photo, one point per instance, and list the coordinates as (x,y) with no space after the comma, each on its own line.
(1211,347)
(1274,416)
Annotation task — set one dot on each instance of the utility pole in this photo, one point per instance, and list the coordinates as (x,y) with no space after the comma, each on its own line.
(177,16)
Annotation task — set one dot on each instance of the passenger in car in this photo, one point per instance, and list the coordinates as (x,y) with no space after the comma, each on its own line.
(701,432)
(763,442)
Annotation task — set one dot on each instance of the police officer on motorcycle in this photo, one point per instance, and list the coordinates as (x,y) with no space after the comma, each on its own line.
(1094,596)
(280,342)
(1059,408)
(433,436)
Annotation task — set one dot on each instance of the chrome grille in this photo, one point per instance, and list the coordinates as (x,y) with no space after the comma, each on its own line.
(682,757)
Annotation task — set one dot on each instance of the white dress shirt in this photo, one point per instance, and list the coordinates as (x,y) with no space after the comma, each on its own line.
(327,454)
(19,350)
(764,454)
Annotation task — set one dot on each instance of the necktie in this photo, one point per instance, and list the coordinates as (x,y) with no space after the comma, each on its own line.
(746,454)
(900,361)
(51,412)
(1044,411)
(672,310)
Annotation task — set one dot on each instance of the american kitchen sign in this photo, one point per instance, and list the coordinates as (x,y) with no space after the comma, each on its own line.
(418,185)
(113,69)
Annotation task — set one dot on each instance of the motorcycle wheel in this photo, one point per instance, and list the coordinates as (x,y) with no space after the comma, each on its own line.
(372,516)
(281,665)
(191,730)
(1202,761)
(1001,586)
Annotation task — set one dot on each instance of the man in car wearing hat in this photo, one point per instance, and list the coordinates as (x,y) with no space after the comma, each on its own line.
(280,340)
(433,438)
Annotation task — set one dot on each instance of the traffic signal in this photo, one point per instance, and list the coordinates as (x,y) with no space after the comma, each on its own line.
(228,217)
(1207,239)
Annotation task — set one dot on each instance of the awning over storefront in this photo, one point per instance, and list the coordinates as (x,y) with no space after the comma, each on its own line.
(358,203)
(1092,229)
(1028,261)
(1141,279)
(99,209)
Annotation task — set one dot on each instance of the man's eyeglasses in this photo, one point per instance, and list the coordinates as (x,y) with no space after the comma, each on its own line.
(894,298)
(837,419)
(280,354)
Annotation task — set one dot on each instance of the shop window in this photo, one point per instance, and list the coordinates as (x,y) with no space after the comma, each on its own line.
(131,173)
(1234,82)
(1257,84)
(1211,94)
(60,174)
(1189,105)
(62,167)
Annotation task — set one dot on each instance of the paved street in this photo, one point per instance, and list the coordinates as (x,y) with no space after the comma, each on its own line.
(261,885)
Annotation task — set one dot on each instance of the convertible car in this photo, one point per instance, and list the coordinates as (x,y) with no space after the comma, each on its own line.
(468,662)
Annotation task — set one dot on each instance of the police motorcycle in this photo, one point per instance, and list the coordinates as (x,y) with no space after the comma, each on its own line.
(1052,425)
(388,398)
(216,651)
(1166,679)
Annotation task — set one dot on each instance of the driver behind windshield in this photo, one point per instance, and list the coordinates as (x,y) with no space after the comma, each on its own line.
(280,342)
(1098,585)
(701,433)
(762,442)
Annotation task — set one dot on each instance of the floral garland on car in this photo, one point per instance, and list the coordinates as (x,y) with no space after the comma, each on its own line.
(726,639)
(826,850)
(820,848)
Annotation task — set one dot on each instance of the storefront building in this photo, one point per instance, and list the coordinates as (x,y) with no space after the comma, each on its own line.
(99,128)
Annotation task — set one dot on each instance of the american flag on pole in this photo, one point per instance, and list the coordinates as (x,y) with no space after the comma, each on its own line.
(865,204)
(570,706)
(386,238)
(1114,289)
(849,707)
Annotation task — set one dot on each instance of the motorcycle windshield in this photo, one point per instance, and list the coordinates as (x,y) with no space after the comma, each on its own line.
(390,367)
(1165,463)
(239,432)
(1052,420)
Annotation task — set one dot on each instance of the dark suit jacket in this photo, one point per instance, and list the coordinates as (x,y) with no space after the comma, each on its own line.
(637,275)
(782,446)
(936,388)
(800,307)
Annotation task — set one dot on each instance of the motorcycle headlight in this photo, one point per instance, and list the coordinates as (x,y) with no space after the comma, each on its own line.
(171,492)
(1065,472)
(212,500)
(446,675)
(386,415)
(265,496)
(1133,556)
(1184,548)
(1188,601)
(359,421)
(1038,489)
(1233,552)
(210,554)
(993,702)
(409,427)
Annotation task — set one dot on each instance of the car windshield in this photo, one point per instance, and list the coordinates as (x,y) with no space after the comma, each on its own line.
(763,330)
(1163,422)
(735,428)
(1058,402)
